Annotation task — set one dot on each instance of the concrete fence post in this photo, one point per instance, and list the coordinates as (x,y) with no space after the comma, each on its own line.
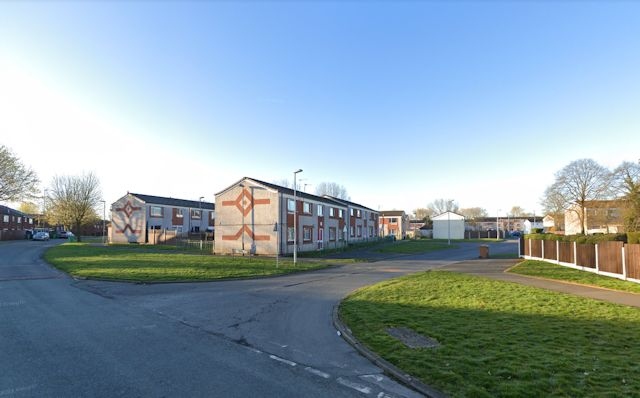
(624,263)
(558,251)
(597,262)
(542,241)
(575,253)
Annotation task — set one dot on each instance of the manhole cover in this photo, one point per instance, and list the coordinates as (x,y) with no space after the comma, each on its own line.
(412,339)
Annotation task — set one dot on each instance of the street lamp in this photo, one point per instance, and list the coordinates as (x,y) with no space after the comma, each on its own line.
(104,221)
(295,217)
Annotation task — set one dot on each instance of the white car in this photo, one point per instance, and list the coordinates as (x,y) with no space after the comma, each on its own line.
(41,236)
(65,234)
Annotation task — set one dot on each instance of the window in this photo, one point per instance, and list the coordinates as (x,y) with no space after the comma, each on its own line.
(291,205)
(31,221)
(19,220)
(290,234)
(196,214)
(306,207)
(179,213)
(320,212)
(393,220)
(351,212)
(155,211)
(359,230)
(5,218)
(332,234)
(358,214)
(340,214)
(352,232)
(306,233)
(320,234)
(332,212)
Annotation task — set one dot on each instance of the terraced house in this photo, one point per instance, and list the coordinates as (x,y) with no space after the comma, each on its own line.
(257,217)
(13,223)
(138,218)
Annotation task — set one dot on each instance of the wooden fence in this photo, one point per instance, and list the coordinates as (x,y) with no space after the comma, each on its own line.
(614,259)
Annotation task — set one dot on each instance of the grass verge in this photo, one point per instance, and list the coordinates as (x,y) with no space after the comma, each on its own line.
(500,339)
(150,264)
(543,269)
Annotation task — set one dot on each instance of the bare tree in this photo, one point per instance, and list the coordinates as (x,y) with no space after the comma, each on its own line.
(332,189)
(284,183)
(16,181)
(579,182)
(473,213)
(517,211)
(422,214)
(554,204)
(73,200)
(440,206)
(627,183)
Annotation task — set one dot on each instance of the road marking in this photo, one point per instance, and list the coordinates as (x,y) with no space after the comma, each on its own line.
(16,390)
(290,363)
(355,386)
(5,304)
(253,349)
(384,395)
(377,378)
(317,372)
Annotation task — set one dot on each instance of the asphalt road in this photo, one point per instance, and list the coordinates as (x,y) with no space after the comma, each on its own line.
(265,337)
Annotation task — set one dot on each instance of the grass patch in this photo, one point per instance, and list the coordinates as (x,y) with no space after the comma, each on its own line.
(544,269)
(154,263)
(415,246)
(500,339)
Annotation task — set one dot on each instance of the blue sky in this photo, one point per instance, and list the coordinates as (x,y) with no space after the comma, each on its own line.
(401,102)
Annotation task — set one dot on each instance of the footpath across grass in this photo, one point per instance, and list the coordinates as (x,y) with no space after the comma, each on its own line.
(153,264)
(498,338)
(543,269)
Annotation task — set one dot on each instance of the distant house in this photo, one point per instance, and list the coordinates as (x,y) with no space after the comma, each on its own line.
(602,216)
(14,223)
(257,217)
(448,225)
(133,215)
(531,223)
(394,222)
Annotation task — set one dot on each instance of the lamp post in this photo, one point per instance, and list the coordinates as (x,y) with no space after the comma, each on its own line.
(104,221)
(295,216)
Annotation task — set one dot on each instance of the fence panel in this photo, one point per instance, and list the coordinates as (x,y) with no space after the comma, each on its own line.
(566,252)
(610,257)
(632,257)
(586,255)
(550,252)
(536,248)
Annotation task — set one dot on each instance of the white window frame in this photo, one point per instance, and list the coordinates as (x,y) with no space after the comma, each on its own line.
(290,234)
(306,207)
(320,210)
(307,233)
(152,212)
(291,205)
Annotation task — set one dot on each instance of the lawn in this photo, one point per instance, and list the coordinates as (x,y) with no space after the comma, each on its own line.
(152,263)
(500,339)
(415,246)
(544,269)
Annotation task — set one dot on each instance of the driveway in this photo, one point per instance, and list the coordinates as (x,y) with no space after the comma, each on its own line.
(266,337)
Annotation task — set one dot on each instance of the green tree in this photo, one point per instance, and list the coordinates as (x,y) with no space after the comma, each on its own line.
(16,180)
(627,182)
(73,201)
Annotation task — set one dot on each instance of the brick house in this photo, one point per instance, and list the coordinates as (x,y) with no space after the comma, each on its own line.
(257,217)
(394,222)
(14,223)
(134,215)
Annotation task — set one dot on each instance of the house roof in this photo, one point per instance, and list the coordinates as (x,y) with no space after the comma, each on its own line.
(392,213)
(442,216)
(12,212)
(300,194)
(160,200)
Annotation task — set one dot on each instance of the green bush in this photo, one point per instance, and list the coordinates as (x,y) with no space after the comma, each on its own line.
(579,238)
(633,237)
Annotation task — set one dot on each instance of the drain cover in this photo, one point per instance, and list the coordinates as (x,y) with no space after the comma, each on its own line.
(412,339)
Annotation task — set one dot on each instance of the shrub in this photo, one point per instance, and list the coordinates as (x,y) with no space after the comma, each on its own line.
(633,237)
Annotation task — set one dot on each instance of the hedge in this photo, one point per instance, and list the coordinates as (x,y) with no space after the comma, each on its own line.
(585,238)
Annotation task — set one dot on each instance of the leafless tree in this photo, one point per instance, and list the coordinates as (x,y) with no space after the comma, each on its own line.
(579,182)
(440,206)
(73,200)
(517,211)
(422,214)
(16,180)
(332,189)
(554,204)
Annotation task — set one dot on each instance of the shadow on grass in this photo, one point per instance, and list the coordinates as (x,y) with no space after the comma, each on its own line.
(510,340)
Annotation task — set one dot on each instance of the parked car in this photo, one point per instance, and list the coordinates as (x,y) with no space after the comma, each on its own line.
(516,234)
(41,236)
(65,234)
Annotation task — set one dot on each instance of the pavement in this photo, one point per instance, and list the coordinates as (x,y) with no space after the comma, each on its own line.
(495,269)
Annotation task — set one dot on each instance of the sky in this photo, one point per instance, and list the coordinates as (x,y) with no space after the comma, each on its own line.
(402,103)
